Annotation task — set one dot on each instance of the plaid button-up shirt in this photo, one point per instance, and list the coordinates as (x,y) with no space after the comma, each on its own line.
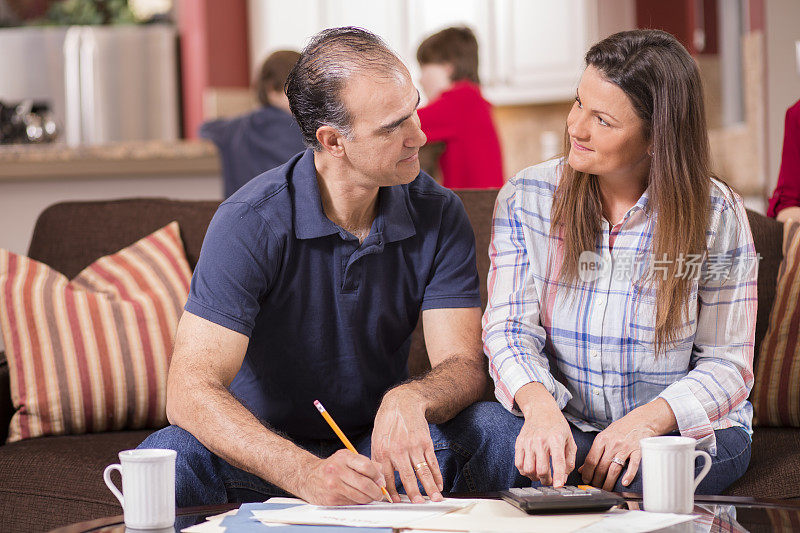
(591,345)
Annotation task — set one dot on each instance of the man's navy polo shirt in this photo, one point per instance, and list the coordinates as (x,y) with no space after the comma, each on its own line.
(328,318)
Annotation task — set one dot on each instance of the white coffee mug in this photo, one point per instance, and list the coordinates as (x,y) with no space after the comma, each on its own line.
(148,487)
(668,478)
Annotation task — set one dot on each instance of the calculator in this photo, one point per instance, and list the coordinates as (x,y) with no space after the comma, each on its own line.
(566,499)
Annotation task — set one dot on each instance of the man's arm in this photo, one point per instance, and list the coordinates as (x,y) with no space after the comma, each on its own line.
(401,438)
(204,361)
(458,375)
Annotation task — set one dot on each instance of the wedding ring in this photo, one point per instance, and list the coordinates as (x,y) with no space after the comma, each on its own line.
(619,461)
(420,465)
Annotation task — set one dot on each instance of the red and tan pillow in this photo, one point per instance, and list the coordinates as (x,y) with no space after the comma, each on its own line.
(91,354)
(776,391)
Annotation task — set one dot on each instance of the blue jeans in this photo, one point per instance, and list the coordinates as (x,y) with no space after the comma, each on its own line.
(730,463)
(470,448)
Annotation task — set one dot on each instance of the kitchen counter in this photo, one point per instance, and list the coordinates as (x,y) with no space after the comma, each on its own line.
(136,158)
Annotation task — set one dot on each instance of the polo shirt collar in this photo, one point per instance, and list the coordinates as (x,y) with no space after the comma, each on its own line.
(309,217)
(310,222)
(394,219)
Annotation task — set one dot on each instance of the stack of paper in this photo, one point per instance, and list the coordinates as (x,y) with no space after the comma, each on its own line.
(289,515)
(243,521)
(376,514)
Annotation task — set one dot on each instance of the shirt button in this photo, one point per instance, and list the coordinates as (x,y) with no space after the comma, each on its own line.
(597,392)
(595,354)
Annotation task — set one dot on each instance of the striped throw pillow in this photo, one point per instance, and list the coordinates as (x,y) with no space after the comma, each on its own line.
(91,354)
(776,391)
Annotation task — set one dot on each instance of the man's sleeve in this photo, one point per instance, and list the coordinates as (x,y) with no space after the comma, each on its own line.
(237,263)
(454,277)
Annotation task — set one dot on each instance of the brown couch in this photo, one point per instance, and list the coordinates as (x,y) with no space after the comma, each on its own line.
(51,481)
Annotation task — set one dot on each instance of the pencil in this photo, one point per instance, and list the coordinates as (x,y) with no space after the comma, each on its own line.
(339,433)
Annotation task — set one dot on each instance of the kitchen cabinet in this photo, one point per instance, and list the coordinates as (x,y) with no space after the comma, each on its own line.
(540,48)
(531,51)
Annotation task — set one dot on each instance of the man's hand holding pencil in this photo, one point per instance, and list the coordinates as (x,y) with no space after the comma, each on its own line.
(345,477)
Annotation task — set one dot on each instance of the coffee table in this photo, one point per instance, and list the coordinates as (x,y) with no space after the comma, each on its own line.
(715,514)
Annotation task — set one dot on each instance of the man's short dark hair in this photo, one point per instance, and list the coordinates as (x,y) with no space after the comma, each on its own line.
(273,73)
(315,83)
(456,46)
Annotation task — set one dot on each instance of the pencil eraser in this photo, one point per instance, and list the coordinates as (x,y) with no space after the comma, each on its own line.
(319,406)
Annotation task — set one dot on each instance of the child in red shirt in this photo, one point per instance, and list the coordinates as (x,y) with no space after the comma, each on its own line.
(457,114)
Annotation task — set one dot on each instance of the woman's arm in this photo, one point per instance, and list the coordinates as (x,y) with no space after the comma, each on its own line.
(514,342)
(512,335)
(788,213)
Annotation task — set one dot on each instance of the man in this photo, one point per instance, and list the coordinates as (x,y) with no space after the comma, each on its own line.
(263,139)
(309,285)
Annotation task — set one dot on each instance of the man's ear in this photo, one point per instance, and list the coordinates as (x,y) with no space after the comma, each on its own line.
(331,140)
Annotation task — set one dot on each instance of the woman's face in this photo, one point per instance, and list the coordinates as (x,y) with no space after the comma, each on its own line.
(435,78)
(606,135)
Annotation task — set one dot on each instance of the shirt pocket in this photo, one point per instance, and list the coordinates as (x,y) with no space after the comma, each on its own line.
(653,373)
(642,316)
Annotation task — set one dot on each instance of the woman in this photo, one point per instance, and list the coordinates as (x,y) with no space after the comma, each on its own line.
(622,295)
(457,114)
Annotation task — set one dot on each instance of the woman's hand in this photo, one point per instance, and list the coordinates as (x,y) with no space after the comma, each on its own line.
(544,436)
(619,444)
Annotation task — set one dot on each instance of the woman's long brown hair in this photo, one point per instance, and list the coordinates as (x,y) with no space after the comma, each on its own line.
(662,82)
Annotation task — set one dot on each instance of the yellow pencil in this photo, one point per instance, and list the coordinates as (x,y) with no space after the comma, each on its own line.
(339,433)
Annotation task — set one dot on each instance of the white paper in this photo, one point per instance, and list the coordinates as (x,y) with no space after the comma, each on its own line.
(498,516)
(376,514)
(622,521)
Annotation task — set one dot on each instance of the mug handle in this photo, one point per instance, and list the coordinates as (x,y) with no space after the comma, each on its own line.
(110,484)
(704,471)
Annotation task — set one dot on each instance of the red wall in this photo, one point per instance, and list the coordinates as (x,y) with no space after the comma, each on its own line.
(679,17)
(214,52)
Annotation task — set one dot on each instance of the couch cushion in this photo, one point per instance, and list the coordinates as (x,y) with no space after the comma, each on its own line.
(91,354)
(776,391)
(767,236)
(53,481)
(774,470)
(70,235)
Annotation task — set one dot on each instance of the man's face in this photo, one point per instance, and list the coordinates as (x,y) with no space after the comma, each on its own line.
(386,135)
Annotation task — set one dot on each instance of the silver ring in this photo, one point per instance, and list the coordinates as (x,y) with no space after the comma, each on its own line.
(420,465)
(619,461)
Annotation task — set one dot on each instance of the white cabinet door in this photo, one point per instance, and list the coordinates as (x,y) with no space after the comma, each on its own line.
(429,16)
(530,50)
(278,25)
(540,46)
(382,17)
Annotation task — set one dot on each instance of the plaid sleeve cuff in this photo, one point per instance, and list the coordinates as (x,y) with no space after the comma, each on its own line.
(509,381)
(692,418)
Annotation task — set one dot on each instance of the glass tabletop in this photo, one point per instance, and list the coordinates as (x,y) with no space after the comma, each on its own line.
(711,514)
